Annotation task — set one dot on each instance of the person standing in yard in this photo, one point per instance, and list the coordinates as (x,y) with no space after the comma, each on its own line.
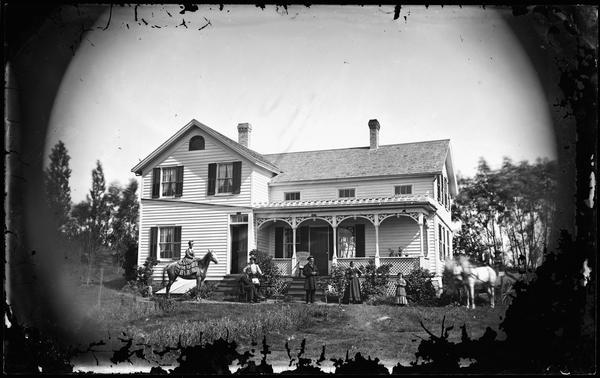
(401,290)
(310,284)
(254,272)
(352,292)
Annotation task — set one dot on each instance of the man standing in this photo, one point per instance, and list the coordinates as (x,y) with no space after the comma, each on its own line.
(310,284)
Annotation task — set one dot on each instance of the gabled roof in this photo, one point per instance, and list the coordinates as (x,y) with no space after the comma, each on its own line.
(249,154)
(388,160)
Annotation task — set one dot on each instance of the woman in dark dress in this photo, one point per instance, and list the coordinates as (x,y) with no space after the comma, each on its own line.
(352,292)
(310,284)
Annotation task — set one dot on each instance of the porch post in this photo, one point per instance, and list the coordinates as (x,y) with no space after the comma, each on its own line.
(294,227)
(251,234)
(334,258)
(421,231)
(377,261)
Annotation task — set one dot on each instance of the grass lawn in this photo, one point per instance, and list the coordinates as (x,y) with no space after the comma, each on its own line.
(391,334)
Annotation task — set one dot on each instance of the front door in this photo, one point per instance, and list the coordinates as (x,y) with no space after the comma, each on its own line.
(239,247)
(319,248)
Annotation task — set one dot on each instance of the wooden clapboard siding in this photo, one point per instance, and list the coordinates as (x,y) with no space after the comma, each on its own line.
(364,189)
(403,232)
(260,188)
(263,240)
(195,173)
(205,224)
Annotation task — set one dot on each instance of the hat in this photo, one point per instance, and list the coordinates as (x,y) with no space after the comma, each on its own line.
(252,257)
(310,257)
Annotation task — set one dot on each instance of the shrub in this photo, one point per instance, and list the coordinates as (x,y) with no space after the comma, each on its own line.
(207,291)
(335,284)
(376,279)
(271,280)
(419,288)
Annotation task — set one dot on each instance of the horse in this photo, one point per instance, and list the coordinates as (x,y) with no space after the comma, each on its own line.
(471,276)
(173,270)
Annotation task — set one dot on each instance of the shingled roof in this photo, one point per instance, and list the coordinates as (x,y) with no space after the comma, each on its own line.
(387,160)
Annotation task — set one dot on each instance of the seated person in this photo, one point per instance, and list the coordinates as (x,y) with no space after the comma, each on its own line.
(247,288)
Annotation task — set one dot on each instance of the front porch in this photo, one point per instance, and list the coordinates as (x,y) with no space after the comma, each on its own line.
(387,232)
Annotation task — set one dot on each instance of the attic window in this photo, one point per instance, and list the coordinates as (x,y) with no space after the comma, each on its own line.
(292,196)
(347,193)
(403,189)
(196,143)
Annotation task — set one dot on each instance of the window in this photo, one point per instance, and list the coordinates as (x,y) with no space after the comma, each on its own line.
(169,242)
(239,218)
(346,193)
(225,178)
(346,241)
(168,181)
(403,189)
(292,196)
(196,143)
(288,242)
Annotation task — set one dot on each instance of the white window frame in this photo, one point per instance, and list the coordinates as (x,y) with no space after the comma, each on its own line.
(340,192)
(159,242)
(162,175)
(217,179)
(286,193)
(398,189)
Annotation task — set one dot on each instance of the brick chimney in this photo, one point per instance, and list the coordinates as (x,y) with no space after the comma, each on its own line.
(374,134)
(244,130)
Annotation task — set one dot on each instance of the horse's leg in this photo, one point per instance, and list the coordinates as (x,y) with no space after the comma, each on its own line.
(198,287)
(492,295)
(472,294)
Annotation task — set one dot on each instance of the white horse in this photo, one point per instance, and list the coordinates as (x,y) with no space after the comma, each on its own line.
(472,276)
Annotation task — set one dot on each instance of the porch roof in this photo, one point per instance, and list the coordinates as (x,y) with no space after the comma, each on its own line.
(348,202)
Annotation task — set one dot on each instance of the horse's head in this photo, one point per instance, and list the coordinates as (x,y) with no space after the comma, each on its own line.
(212,257)
(452,267)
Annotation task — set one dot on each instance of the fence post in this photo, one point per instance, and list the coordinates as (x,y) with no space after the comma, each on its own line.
(100,288)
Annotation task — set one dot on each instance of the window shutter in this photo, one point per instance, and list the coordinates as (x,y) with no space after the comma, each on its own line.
(237,177)
(155,182)
(302,237)
(179,183)
(153,240)
(212,179)
(278,242)
(177,237)
(360,240)
(330,240)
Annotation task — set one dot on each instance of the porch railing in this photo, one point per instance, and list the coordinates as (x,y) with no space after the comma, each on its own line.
(402,265)
(284,265)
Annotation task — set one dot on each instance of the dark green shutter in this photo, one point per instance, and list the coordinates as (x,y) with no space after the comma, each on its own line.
(330,240)
(212,179)
(177,236)
(302,236)
(179,183)
(360,239)
(237,177)
(278,242)
(155,182)
(153,241)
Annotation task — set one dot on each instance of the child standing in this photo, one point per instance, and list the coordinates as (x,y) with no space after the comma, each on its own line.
(401,290)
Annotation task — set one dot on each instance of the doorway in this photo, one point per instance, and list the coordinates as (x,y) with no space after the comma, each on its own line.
(239,247)
(319,248)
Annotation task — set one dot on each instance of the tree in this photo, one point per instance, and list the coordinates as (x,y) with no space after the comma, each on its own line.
(123,226)
(506,213)
(56,184)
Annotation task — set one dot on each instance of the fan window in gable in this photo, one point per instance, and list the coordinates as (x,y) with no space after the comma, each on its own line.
(196,143)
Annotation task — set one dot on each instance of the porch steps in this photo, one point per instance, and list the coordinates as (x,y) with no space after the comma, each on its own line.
(228,289)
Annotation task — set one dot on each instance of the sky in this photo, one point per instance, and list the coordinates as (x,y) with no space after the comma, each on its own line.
(308,79)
